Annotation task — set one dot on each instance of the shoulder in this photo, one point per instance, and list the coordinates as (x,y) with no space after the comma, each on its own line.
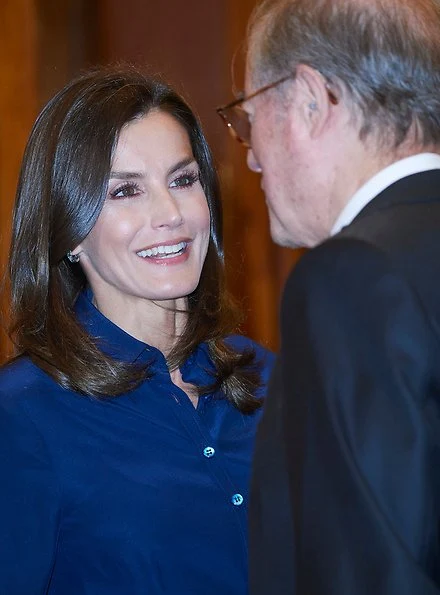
(242,343)
(19,374)
(339,253)
(348,283)
(264,358)
(343,280)
(24,385)
(338,264)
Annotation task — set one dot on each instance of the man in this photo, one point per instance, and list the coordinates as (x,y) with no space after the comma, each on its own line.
(343,103)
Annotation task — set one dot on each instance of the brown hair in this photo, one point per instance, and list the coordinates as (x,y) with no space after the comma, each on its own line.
(383,54)
(61,191)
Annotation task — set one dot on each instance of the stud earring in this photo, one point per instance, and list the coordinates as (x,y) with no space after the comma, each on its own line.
(313,106)
(72,257)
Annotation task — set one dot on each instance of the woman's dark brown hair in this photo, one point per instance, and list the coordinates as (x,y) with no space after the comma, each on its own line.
(62,187)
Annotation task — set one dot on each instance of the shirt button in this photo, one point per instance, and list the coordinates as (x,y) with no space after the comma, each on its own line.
(237,499)
(209,452)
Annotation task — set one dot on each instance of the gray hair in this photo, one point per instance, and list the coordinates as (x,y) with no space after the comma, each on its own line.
(382,55)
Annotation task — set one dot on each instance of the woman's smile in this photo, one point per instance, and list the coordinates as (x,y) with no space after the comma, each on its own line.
(155,216)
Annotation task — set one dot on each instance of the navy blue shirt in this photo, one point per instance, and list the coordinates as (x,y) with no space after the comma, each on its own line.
(138,494)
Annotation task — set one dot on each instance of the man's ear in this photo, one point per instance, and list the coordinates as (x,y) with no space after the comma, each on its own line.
(313,99)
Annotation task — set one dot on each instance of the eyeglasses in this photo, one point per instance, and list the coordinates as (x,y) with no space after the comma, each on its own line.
(237,119)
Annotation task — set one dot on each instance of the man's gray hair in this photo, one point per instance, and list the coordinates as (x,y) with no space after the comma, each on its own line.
(382,55)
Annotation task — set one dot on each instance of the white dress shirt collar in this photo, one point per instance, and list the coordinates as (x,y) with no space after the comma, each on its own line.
(384,178)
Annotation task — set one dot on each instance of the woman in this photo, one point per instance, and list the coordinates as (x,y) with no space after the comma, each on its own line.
(128,418)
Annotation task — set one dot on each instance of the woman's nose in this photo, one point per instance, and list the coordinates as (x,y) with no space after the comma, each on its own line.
(166,211)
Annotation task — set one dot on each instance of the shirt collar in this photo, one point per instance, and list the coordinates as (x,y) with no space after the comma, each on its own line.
(384,178)
(114,341)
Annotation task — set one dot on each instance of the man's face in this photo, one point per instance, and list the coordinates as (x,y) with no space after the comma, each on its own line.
(285,155)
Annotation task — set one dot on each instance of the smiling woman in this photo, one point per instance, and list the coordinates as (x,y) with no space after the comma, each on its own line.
(146,251)
(129,412)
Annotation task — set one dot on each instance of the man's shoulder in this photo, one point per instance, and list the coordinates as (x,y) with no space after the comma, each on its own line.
(347,274)
(338,273)
(336,258)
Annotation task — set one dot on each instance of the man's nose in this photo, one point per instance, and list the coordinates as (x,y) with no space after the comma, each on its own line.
(252,162)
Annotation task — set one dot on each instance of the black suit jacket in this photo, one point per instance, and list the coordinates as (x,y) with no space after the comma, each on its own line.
(346,483)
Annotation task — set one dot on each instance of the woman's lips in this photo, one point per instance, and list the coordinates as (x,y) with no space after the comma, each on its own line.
(166,253)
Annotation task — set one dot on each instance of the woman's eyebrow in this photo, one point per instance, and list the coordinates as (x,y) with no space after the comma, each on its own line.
(130,175)
(126,175)
(182,163)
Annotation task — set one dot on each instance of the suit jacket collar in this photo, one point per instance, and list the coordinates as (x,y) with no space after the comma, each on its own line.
(384,178)
(423,187)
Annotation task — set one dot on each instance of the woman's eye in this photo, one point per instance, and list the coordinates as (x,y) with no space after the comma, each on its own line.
(185,180)
(125,191)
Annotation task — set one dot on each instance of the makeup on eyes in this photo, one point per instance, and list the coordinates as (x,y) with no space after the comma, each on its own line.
(191,177)
(127,189)
(184,179)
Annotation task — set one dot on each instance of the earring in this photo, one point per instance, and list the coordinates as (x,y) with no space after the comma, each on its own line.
(313,106)
(72,257)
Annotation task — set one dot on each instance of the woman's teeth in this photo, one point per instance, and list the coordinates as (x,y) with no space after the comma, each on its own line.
(163,251)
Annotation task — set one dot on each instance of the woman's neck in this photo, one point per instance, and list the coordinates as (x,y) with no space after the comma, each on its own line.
(158,324)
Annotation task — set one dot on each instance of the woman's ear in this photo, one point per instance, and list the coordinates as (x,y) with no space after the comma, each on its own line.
(73,255)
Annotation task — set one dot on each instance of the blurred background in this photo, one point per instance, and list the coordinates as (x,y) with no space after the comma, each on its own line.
(194,44)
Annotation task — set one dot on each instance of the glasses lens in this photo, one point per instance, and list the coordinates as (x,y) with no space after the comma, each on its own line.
(238,122)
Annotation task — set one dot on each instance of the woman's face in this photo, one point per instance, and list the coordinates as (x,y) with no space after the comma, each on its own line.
(152,235)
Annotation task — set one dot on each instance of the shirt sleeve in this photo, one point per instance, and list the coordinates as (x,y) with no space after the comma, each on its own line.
(29,503)
(360,422)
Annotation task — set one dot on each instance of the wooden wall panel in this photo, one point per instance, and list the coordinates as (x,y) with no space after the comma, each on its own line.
(194,48)
(18,97)
(184,42)
(66,42)
(44,43)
